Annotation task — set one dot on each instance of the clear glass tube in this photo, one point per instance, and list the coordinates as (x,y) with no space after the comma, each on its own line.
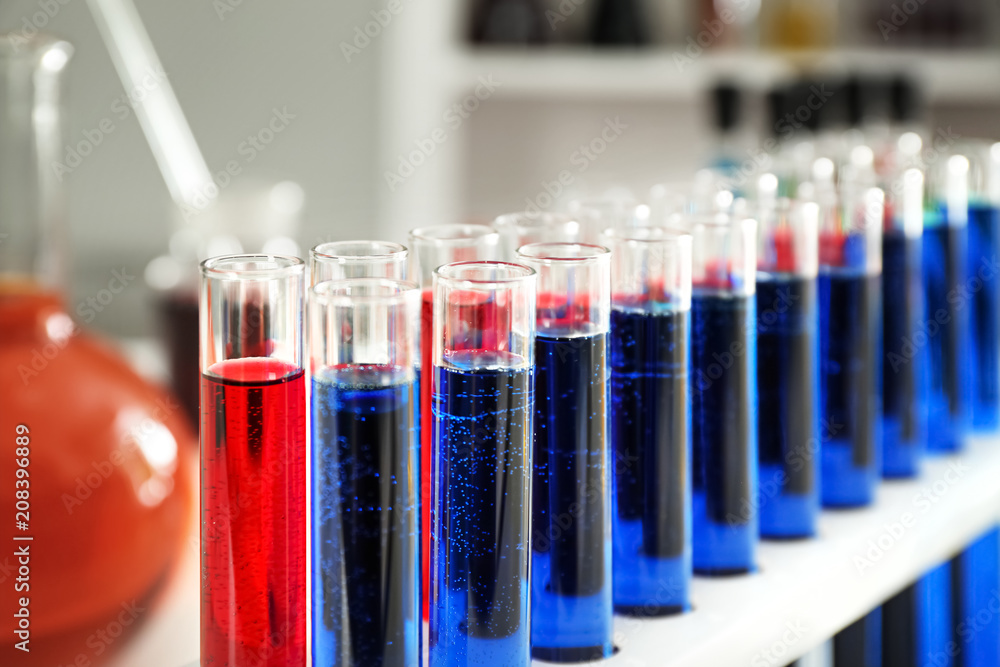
(945,250)
(650,426)
(484,340)
(364,365)
(430,248)
(983,365)
(338,260)
(597,215)
(518,229)
(724,394)
(850,292)
(904,364)
(253,448)
(788,434)
(571,592)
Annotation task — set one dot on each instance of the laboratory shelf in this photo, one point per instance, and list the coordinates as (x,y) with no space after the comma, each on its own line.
(665,73)
(808,590)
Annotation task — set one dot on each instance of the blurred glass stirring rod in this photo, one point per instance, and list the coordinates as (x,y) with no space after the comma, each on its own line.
(160,116)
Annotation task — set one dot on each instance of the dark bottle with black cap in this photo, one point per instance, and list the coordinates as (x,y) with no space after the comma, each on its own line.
(509,22)
(727,108)
(618,23)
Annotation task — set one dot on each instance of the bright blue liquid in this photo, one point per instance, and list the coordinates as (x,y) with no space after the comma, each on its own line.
(651,436)
(788,395)
(365,585)
(850,388)
(934,617)
(480,516)
(984,316)
(571,603)
(904,356)
(947,333)
(860,643)
(976,621)
(724,432)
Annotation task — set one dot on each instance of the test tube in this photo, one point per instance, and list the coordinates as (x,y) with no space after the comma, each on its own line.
(850,293)
(430,248)
(787,315)
(860,643)
(518,229)
(601,213)
(253,450)
(651,419)
(984,286)
(484,340)
(571,597)
(337,260)
(724,394)
(944,273)
(975,578)
(918,626)
(904,363)
(365,579)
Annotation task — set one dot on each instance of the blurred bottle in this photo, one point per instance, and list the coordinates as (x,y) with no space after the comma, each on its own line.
(799,24)
(618,23)
(107,457)
(731,144)
(509,22)
(728,24)
(255,217)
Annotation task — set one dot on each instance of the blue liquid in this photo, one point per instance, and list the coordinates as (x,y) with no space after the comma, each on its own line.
(916,623)
(904,362)
(860,643)
(724,433)
(571,603)
(365,585)
(975,583)
(479,551)
(651,436)
(984,316)
(850,390)
(947,331)
(788,395)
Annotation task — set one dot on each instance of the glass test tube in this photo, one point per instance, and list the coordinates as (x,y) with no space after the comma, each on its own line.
(338,260)
(430,248)
(518,229)
(904,362)
(724,394)
(651,419)
(788,429)
(850,293)
(947,327)
(599,214)
(975,578)
(917,622)
(484,340)
(571,601)
(984,286)
(365,579)
(860,643)
(253,469)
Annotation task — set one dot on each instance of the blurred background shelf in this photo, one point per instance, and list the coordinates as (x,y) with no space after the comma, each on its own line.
(651,74)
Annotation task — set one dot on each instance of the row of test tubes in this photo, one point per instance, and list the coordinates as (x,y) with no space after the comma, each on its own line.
(560,417)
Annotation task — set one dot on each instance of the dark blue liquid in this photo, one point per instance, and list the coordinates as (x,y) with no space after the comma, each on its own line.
(904,356)
(984,316)
(947,330)
(860,643)
(850,391)
(571,603)
(479,554)
(651,437)
(364,576)
(788,396)
(724,432)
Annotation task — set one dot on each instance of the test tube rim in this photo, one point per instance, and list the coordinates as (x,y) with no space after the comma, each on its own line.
(528,274)
(325,293)
(641,235)
(396,250)
(466,234)
(600,253)
(289,267)
(527,219)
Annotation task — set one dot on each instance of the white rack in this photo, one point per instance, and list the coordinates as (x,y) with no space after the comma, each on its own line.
(806,591)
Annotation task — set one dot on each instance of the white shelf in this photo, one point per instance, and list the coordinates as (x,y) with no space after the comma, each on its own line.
(560,73)
(817,586)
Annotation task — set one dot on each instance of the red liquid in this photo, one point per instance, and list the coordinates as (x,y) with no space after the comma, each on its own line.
(253,600)
(426,438)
